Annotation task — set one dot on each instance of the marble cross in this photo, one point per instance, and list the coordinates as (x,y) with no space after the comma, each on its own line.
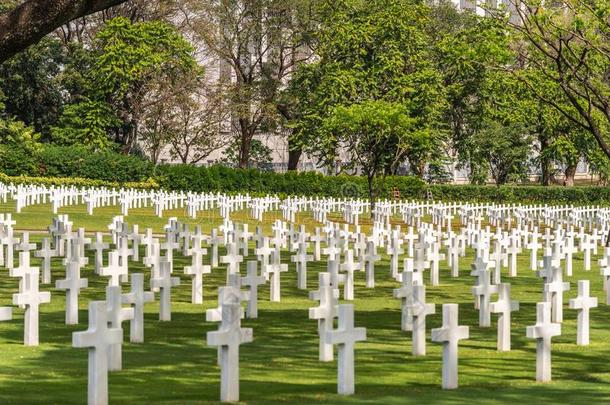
(504,306)
(449,335)
(409,279)
(98,338)
(273,271)
(345,336)
(419,310)
(164,283)
(98,248)
(197,270)
(114,270)
(325,313)
(349,266)
(232,259)
(317,238)
(263,252)
(72,284)
(301,259)
(370,257)
(554,293)
(534,246)
(332,251)
(214,241)
(395,250)
(45,253)
(483,291)
(116,316)
(228,338)
(31,298)
(583,303)
(252,280)
(137,298)
(543,331)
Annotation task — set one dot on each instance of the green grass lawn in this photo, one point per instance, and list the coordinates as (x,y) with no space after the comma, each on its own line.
(281,365)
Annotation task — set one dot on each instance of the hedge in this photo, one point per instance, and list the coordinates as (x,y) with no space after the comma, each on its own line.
(54,165)
(149,184)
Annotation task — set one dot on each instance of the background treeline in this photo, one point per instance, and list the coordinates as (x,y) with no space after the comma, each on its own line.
(72,165)
(374,83)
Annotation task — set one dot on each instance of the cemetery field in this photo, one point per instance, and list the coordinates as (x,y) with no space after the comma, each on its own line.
(281,365)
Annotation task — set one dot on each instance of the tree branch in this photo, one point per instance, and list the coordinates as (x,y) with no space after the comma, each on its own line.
(32,20)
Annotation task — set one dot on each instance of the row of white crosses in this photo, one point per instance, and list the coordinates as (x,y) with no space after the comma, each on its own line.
(426,255)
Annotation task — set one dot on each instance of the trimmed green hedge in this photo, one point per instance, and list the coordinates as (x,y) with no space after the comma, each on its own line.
(76,166)
(149,184)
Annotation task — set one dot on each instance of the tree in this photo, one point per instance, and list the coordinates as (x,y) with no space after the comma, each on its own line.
(189,121)
(260,41)
(568,43)
(369,51)
(32,86)
(129,60)
(377,135)
(468,50)
(86,123)
(30,21)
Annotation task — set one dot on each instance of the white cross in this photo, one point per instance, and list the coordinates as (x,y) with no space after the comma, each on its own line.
(534,246)
(229,337)
(116,315)
(554,291)
(45,253)
(31,298)
(419,310)
(273,271)
(98,338)
(137,298)
(449,335)
(345,336)
(543,331)
(232,259)
(370,257)
(252,280)
(197,270)
(409,279)
(164,283)
(504,306)
(301,259)
(114,270)
(72,284)
(583,302)
(483,291)
(325,313)
(349,266)
(98,247)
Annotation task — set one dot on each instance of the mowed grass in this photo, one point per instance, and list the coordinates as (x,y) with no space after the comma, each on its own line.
(281,365)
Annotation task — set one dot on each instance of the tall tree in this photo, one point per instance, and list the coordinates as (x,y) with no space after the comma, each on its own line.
(370,51)
(568,43)
(260,42)
(31,20)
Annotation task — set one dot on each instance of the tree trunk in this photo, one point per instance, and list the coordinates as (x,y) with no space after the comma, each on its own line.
(294,155)
(569,173)
(545,162)
(245,145)
(372,195)
(32,20)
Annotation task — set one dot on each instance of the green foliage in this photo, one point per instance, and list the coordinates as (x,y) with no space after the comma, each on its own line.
(16,134)
(368,51)
(130,55)
(31,84)
(149,184)
(259,156)
(86,123)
